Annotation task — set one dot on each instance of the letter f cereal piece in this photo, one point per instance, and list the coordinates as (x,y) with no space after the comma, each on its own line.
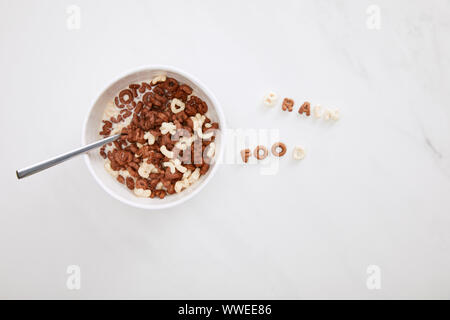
(245,154)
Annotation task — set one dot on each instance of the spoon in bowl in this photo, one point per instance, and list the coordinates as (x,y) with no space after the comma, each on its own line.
(28,171)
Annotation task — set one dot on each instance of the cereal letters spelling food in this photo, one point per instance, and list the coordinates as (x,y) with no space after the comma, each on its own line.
(278,149)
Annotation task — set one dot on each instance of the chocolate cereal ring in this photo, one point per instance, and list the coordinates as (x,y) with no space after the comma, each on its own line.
(126,93)
(280,145)
(257,152)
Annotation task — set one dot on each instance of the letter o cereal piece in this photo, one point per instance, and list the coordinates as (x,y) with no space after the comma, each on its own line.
(280,145)
(127,93)
(257,152)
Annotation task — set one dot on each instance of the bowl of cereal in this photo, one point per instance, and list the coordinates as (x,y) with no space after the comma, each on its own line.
(171,139)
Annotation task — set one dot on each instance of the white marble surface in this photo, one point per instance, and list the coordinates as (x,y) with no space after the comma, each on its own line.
(374,188)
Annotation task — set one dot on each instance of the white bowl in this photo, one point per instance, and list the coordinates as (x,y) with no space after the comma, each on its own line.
(92,126)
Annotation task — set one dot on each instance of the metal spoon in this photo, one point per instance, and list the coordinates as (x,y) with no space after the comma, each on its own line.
(28,171)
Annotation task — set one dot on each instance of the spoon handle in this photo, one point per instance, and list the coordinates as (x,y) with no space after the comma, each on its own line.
(28,171)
